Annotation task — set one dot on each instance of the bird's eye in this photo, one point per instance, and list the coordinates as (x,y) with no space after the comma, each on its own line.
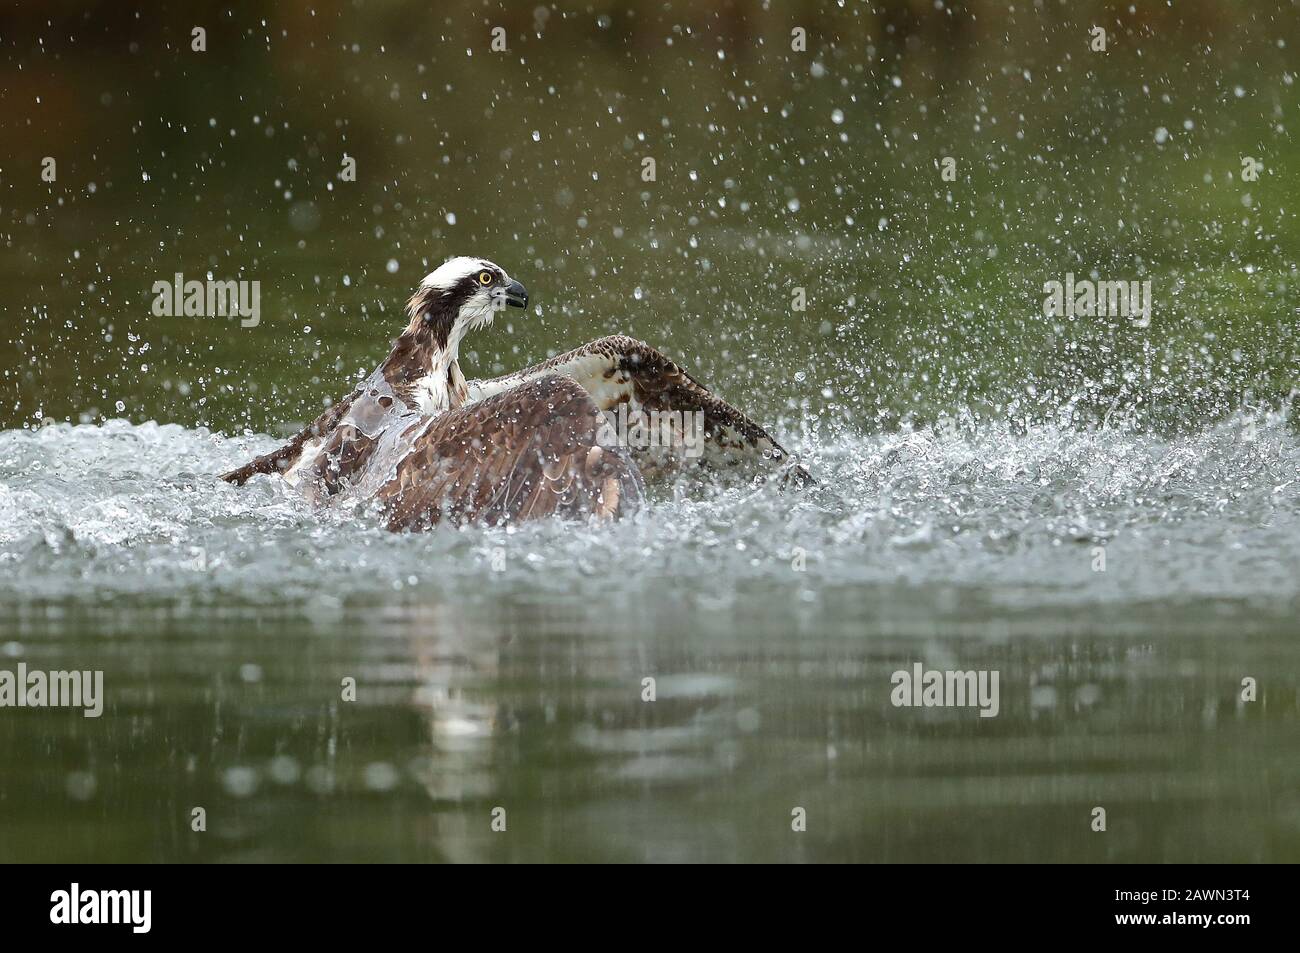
(485,278)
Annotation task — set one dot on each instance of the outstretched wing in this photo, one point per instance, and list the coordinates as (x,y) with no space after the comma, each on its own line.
(532,451)
(619,370)
(283,459)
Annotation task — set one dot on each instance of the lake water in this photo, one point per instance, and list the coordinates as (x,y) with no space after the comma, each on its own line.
(1105,512)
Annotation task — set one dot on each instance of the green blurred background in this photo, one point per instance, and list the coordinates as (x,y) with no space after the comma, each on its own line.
(775,169)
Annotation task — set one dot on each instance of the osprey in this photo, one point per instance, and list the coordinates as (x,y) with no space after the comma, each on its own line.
(428,446)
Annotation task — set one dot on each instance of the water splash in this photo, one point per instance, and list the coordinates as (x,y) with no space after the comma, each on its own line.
(136,511)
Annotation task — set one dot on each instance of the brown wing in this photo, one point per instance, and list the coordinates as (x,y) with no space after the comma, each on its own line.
(283,458)
(530,452)
(621,370)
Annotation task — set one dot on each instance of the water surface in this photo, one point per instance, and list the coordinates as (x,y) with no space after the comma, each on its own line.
(977,460)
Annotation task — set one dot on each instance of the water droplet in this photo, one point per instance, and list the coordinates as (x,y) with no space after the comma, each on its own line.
(381,776)
(239,781)
(80,785)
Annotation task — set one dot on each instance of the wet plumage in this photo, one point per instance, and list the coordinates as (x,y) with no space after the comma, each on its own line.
(427,446)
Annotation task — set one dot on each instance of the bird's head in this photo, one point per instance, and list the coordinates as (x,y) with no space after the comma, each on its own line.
(462,294)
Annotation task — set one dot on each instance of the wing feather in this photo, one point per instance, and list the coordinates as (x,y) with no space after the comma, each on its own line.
(527,453)
(620,370)
(283,458)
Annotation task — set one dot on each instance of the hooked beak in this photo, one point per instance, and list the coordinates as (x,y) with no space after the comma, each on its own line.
(516,295)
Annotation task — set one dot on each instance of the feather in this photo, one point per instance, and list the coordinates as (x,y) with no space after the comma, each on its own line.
(527,453)
(620,370)
(430,447)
